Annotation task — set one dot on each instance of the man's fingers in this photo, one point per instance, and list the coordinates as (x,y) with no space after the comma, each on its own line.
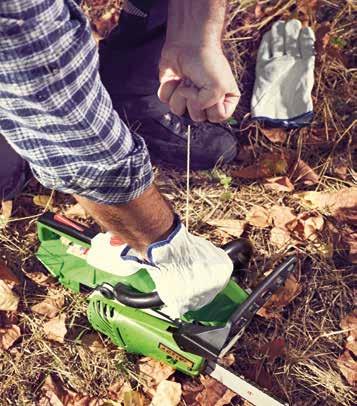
(166,90)
(195,113)
(222,110)
(178,103)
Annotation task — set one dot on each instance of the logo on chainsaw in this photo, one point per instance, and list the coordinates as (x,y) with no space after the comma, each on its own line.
(176,356)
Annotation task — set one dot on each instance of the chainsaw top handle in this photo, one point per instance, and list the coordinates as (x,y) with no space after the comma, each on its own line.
(239,251)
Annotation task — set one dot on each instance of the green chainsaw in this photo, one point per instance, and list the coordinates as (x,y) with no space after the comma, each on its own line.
(129,311)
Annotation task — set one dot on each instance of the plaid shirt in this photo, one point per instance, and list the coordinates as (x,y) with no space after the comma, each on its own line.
(54,110)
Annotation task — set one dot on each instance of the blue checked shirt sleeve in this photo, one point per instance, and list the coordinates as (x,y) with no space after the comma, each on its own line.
(54,109)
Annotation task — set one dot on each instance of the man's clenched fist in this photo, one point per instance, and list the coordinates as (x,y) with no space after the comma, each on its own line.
(199,80)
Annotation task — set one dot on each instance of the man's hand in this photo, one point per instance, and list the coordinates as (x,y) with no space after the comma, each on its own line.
(194,73)
(199,80)
(188,271)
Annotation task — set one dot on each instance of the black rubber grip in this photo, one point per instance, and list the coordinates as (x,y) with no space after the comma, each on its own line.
(124,294)
(67,226)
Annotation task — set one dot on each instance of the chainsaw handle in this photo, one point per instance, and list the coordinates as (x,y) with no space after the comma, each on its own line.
(125,295)
(67,226)
(239,251)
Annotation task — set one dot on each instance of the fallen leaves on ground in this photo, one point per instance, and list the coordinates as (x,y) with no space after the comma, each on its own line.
(5,214)
(282,215)
(275,348)
(275,134)
(42,279)
(8,335)
(214,393)
(280,237)
(231,226)
(93,341)
(76,210)
(153,372)
(348,367)
(8,276)
(133,398)
(281,298)
(8,299)
(344,240)
(279,183)
(342,205)
(281,171)
(259,216)
(44,201)
(168,393)
(349,323)
(55,329)
(49,307)
(118,389)
(54,393)
(307,226)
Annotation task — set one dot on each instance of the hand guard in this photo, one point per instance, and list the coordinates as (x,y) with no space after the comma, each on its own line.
(285,76)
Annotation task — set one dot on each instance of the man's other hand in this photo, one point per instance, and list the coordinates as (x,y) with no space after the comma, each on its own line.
(199,80)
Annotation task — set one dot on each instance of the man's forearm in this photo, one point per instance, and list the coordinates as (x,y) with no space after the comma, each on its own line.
(142,221)
(198,22)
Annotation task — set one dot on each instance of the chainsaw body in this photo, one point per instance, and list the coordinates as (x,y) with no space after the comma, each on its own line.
(135,330)
(206,334)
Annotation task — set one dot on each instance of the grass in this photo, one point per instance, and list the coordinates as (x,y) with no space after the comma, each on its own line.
(308,374)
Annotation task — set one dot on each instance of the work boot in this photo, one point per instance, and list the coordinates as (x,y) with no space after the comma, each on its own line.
(166,138)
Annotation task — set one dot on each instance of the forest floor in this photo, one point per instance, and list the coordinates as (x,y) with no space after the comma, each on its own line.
(287,191)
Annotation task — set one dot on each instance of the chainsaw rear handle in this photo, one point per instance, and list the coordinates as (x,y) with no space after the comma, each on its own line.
(67,226)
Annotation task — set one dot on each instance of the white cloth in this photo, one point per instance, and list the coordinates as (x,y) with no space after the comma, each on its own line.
(188,271)
(284,72)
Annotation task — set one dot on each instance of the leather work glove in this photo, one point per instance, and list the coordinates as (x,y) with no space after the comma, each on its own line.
(188,271)
(285,76)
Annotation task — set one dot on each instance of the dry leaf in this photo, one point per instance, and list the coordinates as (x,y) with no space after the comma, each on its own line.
(190,389)
(301,172)
(76,210)
(8,299)
(44,201)
(349,323)
(49,307)
(281,298)
(280,237)
(342,205)
(133,398)
(93,342)
(213,392)
(8,276)
(348,367)
(168,393)
(307,226)
(282,215)
(8,336)
(56,394)
(230,226)
(6,211)
(42,279)
(55,329)
(279,183)
(275,349)
(259,217)
(269,165)
(117,390)
(275,134)
(344,241)
(228,360)
(154,371)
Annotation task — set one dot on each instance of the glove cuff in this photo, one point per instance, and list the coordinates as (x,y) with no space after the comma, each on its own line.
(302,120)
